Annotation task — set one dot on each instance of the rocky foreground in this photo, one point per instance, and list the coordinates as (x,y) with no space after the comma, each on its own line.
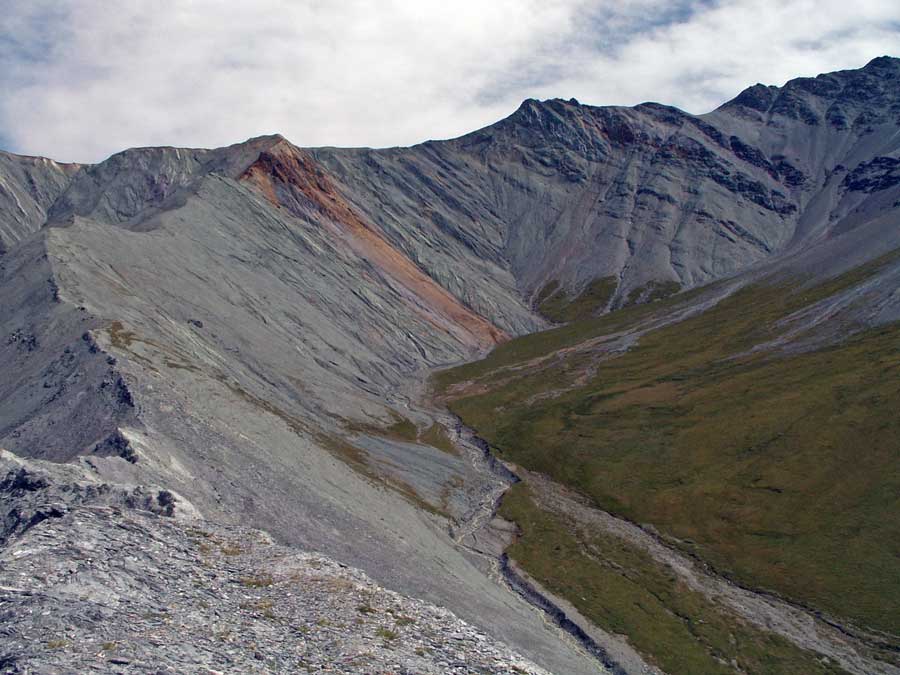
(103,578)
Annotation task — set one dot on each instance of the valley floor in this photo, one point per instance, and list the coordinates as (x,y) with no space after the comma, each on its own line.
(769,549)
(638,602)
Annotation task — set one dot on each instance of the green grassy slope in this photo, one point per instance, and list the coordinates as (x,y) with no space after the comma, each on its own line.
(783,471)
(625,591)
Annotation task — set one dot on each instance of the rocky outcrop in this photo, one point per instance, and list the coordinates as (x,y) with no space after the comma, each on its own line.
(97,577)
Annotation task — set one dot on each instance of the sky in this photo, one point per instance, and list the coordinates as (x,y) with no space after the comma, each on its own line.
(82,79)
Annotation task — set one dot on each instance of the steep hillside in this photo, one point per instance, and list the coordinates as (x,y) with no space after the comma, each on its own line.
(194,319)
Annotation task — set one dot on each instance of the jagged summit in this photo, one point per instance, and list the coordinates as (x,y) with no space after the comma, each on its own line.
(805,97)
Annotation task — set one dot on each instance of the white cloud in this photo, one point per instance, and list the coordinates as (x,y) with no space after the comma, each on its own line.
(699,63)
(84,79)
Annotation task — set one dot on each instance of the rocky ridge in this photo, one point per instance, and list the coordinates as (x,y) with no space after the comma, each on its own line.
(104,578)
(561,191)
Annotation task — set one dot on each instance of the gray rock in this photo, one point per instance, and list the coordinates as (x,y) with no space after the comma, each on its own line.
(108,580)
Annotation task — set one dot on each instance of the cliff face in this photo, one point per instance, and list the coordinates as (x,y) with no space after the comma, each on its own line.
(247,325)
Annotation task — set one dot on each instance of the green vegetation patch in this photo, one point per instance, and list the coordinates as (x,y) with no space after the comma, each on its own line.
(623,590)
(516,352)
(652,291)
(781,471)
(386,633)
(400,429)
(258,581)
(556,305)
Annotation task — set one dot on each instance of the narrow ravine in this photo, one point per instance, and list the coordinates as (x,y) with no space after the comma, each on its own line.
(485,534)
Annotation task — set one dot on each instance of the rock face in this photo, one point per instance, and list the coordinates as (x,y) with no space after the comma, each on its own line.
(232,324)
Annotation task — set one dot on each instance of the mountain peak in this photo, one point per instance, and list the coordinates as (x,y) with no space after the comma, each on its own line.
(266,140)
(882,63)
(758,97)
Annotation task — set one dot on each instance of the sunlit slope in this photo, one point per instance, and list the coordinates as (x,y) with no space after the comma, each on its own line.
(777,465)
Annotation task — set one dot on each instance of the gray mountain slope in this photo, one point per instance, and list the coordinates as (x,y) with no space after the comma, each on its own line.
(218,346)
(232,323)
(562,191)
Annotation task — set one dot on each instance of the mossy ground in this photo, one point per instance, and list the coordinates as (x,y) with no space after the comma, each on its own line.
(400,429)
(651,292)
(536,345)
(436,436)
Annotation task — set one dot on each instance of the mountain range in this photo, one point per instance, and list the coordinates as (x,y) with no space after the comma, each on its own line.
(690,330)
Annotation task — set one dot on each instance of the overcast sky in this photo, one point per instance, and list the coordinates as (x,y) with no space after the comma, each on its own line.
(81,79)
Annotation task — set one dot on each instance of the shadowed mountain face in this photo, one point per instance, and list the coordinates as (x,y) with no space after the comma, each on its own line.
(250,325)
